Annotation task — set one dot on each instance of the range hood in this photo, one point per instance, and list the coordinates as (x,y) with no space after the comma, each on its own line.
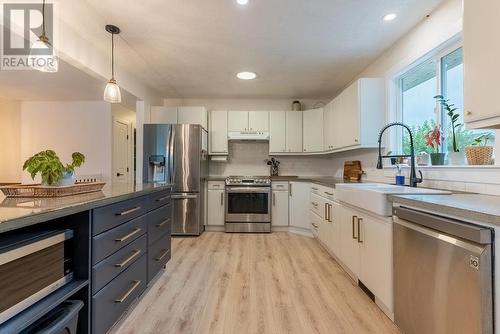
(249,135)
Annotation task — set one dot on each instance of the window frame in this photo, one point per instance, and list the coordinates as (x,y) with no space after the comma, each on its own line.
(396,142)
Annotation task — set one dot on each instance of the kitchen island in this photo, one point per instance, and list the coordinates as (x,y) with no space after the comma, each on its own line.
(121,241)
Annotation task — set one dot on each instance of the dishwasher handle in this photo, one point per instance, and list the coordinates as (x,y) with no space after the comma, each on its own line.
(478,234)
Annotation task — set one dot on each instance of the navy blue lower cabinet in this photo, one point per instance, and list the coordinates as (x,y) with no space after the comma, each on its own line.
(108,269)
(112,301)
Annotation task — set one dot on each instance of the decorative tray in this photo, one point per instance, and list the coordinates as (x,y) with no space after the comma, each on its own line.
(39,191)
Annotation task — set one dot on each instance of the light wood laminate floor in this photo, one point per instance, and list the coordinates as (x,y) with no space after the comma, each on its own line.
(254,283)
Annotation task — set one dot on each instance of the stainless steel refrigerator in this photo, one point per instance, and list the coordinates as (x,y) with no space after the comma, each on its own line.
(177,154)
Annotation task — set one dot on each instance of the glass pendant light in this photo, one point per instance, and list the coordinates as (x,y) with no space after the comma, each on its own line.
(38,59)
(112,92)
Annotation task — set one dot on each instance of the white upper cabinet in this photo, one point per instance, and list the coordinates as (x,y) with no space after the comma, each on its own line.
(285,132)
(237,121)
(218,144)
(258,121)
(481,55)
(163,115)
(179,115)
(313,131)
(277,134)
(248,121)
(359,114)
(192,115)
(328,132)
(294,132)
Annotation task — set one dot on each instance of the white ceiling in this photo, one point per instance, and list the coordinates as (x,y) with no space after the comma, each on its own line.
(299,48)
(68,84)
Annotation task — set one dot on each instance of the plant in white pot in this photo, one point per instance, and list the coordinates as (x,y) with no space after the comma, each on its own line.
(455,157)
(52,170)
(480,153)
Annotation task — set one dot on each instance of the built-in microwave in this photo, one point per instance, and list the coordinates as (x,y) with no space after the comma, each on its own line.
(32,266)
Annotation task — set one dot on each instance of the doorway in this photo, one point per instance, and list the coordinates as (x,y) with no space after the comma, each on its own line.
(122,150)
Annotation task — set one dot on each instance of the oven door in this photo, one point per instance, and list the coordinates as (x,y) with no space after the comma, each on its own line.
(248,204)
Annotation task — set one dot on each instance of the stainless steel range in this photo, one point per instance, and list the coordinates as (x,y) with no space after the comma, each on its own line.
(248,204)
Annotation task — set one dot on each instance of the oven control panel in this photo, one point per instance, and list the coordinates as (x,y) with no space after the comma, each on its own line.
(248,181)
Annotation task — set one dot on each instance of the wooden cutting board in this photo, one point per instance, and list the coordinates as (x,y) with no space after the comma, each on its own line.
(353,170)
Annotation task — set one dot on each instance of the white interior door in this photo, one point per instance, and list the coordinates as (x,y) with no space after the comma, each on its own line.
(121,151)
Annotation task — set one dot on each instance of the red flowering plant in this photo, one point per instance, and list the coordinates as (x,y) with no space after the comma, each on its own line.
(434,139)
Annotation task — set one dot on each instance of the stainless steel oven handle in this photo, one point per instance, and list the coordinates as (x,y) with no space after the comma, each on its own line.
(264,190)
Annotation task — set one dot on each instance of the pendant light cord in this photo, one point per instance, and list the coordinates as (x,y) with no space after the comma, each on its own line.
(43,18)
(112,56)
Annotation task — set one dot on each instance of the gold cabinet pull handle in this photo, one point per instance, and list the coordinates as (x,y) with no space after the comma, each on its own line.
(163,198)
(360,220)
(330,219)
(221,199)
(326,212)
(130,258)
(125,296)
(314,225)
(314,204)
(354,218)
(163,255)
(130,235)
(163,223)
(329,194)
(127,212)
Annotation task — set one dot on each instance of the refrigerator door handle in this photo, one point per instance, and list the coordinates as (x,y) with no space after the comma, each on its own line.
(184,196)
(171,155)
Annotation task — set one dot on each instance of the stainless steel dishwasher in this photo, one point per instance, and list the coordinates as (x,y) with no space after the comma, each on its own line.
(442,274)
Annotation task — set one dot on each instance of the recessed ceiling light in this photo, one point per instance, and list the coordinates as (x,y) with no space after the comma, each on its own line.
(242,2)
(246,75)
(390,17)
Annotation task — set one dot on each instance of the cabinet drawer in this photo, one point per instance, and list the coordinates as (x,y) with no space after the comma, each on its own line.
(159,223)
(114,299)
(283,186)
(158,255)
(107,217)
(322,191)
(317,205)
(111,267)
(157,200)
(216,185)
(113,240)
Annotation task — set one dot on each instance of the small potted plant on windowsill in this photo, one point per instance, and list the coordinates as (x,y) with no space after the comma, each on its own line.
(433,139)
(53,172)
(480,153)
(455,157)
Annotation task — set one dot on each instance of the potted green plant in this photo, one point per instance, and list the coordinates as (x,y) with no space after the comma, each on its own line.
(455,157)
(433,139)
(480,153)
(52,170)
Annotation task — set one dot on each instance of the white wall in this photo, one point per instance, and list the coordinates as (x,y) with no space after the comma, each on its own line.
(67,127)
(10,139)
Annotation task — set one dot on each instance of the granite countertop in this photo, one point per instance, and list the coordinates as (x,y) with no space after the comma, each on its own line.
(20,212)
(473,208)
(328,181)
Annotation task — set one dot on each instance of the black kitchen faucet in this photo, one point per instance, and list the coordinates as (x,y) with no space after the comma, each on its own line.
(414,180)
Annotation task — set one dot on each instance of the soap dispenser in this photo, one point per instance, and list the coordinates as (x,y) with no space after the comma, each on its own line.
(400,178)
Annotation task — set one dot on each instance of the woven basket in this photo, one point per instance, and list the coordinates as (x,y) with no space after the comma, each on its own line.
(38,191)
(479,155)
